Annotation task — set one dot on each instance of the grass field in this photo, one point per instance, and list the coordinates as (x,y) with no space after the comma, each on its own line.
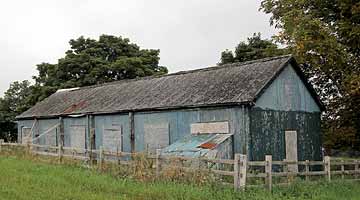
(25,179)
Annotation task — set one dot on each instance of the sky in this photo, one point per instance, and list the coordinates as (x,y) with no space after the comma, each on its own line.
(189,35)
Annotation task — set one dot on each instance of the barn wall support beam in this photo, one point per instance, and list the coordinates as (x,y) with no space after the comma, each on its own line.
(132,131)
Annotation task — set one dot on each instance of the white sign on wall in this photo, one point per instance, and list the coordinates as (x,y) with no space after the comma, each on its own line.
(210,127)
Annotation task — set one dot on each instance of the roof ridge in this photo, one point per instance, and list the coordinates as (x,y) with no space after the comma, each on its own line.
(236,64)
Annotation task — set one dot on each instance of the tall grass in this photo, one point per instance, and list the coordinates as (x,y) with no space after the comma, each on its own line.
(25,176)
(26,179)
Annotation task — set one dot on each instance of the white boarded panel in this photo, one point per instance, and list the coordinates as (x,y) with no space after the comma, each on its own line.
(50,137)
(210,127)
(291,149)
(26,135)
(112,138)
(77,137)
(156,136)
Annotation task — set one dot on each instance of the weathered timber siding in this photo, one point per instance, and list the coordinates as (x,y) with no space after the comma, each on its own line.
(268,134)
(287,93)
(285,105)
(180,121)
(21,124)
(44,125)
(109,121)
(70,122)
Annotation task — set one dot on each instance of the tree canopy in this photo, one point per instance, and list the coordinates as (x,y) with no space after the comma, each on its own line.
(87,62)
(14,102)
(254,48)
(90,62)
(324,35)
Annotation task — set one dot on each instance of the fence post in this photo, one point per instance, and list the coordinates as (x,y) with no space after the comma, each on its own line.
(268,170)
(327,167)
(285,170)
(243,171)
(60,153)
(237,171)
(357,172)
(28,148)
(158,162)
(101,158)
(342,169)
(307,170)
(1,143)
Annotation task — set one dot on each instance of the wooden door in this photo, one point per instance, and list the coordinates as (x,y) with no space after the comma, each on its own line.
(291,149)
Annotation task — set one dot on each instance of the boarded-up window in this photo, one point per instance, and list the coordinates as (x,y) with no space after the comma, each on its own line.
(112,138)
(26,135)
(156,136)
(210,127)
(50,137)
(291,149)
(77,137)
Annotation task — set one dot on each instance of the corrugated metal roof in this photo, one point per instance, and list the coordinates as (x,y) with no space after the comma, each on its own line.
(237,83)
(195,145)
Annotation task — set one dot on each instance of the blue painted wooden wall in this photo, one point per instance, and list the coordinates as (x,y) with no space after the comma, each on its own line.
(287,93)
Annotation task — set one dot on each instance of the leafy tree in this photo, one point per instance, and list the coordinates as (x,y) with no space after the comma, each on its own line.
(324,35)
(254,48)
(13,103)
(90,62)
(87,62)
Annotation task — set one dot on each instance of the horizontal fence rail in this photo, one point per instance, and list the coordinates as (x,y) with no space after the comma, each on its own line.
(242,171)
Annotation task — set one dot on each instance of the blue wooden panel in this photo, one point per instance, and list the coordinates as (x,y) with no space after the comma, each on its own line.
(72,121)
(180,120)
(179,125)
(287,93)
(21,124)
(43,126)
(108,121)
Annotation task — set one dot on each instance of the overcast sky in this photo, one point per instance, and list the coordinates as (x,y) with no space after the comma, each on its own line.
(189,35)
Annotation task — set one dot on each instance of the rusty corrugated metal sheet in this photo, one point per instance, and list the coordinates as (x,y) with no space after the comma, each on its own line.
(197,145)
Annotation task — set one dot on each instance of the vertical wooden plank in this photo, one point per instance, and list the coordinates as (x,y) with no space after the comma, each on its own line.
(61,140)
(237,171)
(1,143)
(357,171)
(158,162)
(327,167)
(243,171)
(60,153)
(101,158)
(286,170)
(268,171)
(307,170)
(291,149)
(62,130)
(92,145)
(342,169)
(132,131)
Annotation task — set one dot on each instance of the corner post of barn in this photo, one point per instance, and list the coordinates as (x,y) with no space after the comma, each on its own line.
(92,147)
(61,139)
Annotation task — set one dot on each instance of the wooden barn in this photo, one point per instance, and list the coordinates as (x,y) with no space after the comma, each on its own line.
(256,108)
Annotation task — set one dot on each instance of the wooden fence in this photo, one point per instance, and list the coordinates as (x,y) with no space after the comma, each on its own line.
(244,173)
